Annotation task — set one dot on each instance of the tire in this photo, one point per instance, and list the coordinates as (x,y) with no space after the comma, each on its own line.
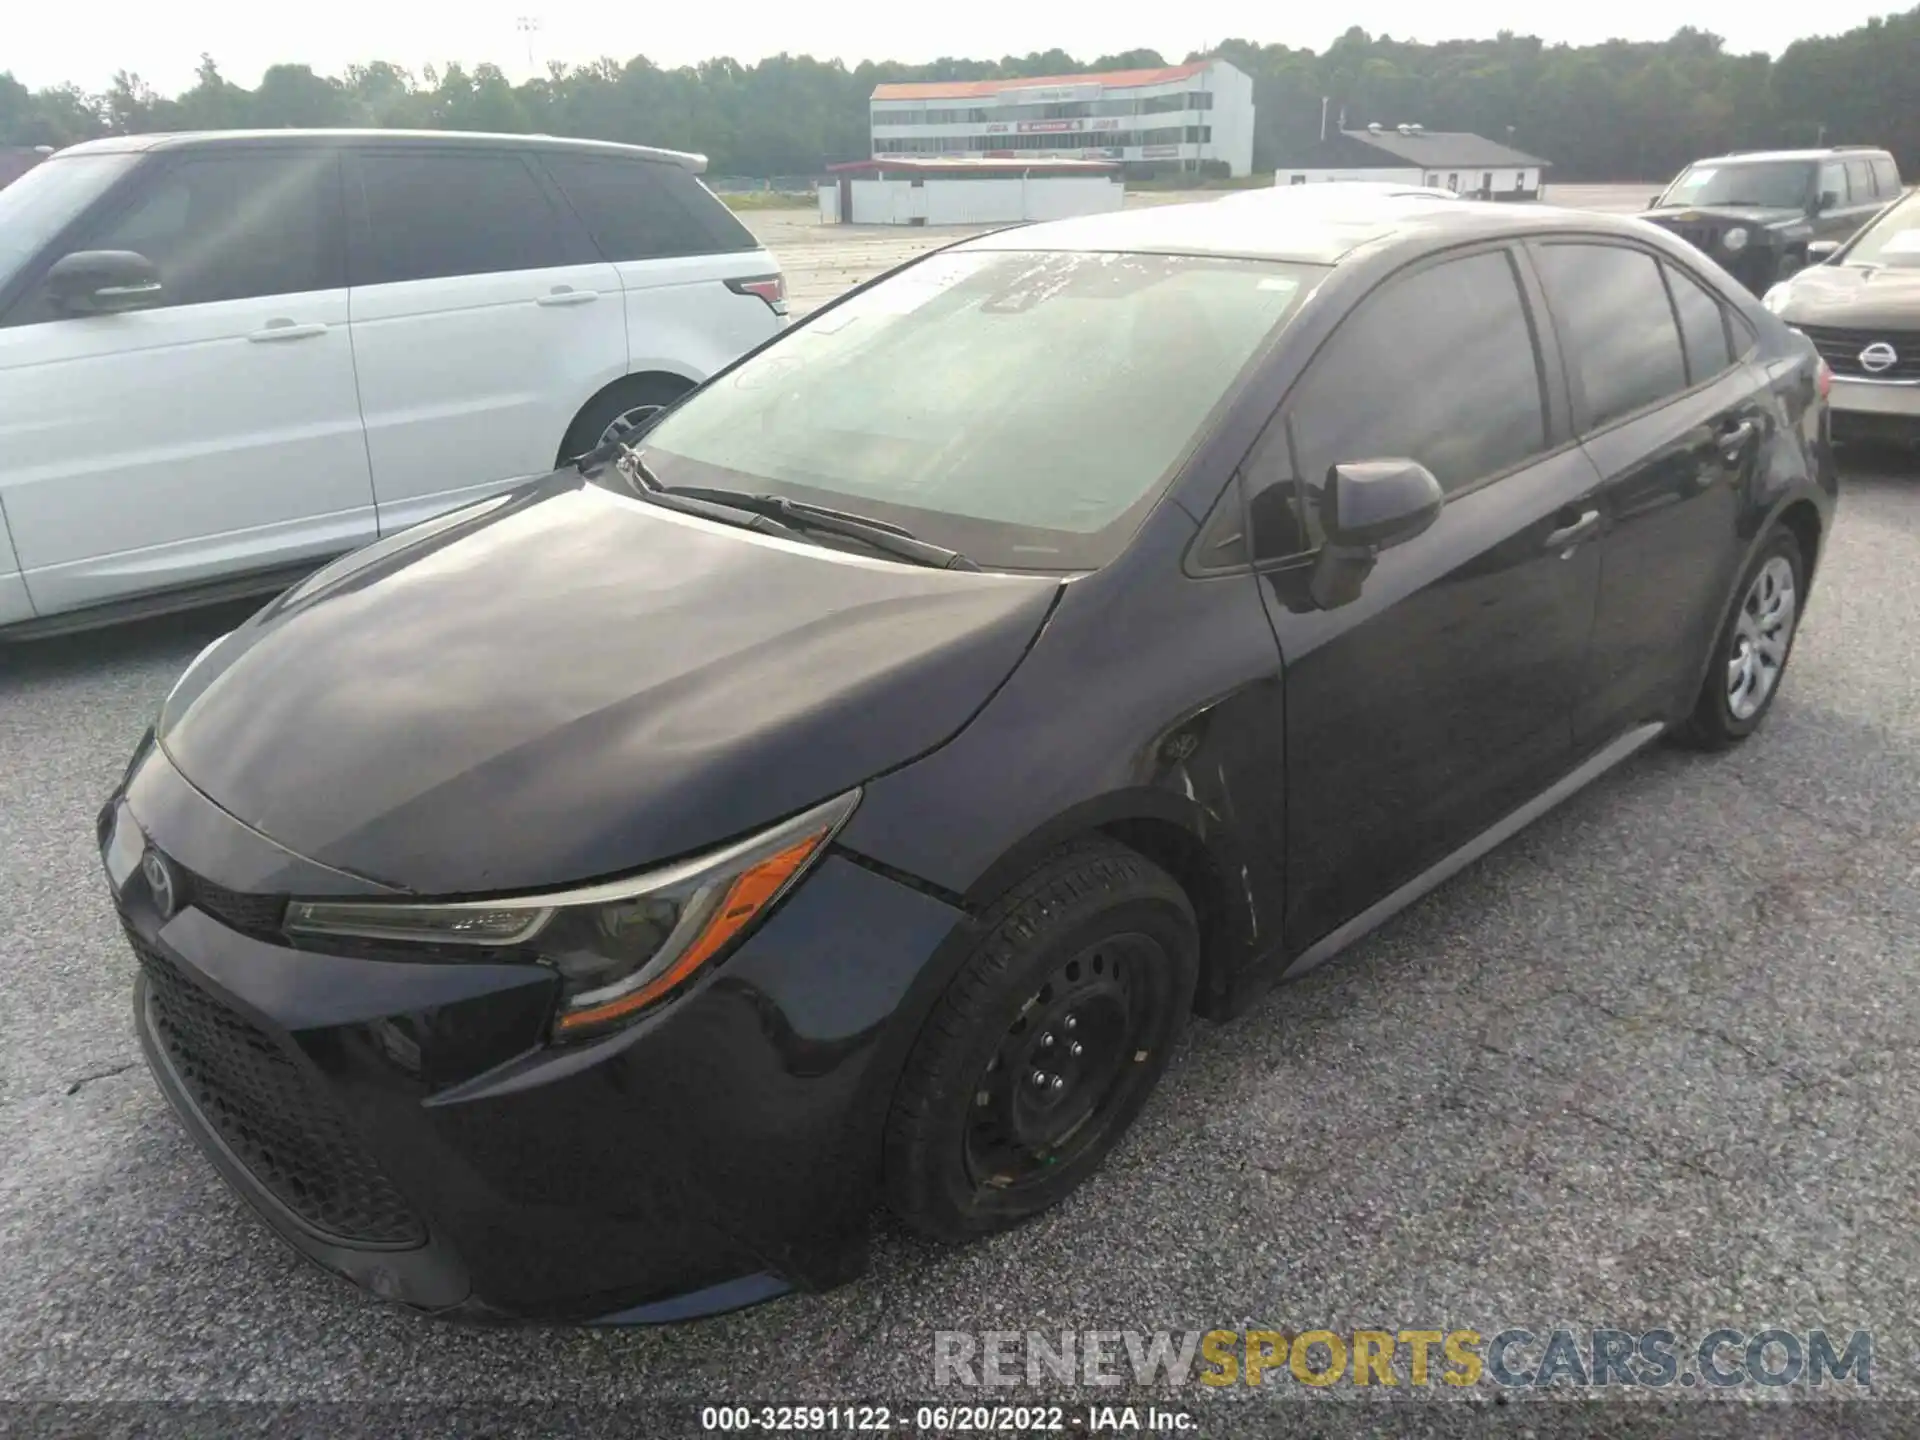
(1729,710)
(1084,973)
(643,393)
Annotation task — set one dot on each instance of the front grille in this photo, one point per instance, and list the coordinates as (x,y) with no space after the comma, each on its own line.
(1841,350)
(1701,237)
(291,1136)
(249,914)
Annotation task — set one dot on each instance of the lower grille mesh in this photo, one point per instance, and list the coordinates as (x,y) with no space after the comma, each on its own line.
(290,1136)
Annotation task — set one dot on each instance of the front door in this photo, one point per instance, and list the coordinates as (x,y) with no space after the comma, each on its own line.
(217,432)
(483,321)
(1672,419)
(1441,699)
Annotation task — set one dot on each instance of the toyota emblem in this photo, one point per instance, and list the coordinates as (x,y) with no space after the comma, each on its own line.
(160,884)
(1879,356)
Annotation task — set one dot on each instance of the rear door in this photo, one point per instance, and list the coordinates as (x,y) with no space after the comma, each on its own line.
(1672,418)
(483,320)
(676,248)
(1440,700)
(217,432)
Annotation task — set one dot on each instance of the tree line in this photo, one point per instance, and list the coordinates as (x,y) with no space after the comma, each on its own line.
(1615,111)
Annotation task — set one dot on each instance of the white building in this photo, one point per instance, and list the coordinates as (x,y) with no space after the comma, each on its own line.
(1176,117)
(1453,160)
(957,190)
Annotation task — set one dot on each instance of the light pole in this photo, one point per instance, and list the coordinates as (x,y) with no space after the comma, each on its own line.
(529,26)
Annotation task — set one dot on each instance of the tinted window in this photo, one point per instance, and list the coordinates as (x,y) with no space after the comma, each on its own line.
(1833,181)
(1437,366)
(1889,176)
(234,227)
(1703,326)
(447,213)
(1860,180)
(1616,326)
(635,209)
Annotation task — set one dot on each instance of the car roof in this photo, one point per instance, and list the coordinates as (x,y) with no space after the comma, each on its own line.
(358,139)
(1323,233)
(1747,157)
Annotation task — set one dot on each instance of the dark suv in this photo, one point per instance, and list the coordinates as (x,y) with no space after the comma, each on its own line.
(1756,213)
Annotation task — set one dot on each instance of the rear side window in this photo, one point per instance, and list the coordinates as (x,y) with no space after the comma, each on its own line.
(430,215)
(234,227)
(1616,327)
(1438,366)
(642,209)
(1703,327)
(1889,175)
(1860,181)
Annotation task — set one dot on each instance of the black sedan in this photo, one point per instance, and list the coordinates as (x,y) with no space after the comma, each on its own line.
(593,904)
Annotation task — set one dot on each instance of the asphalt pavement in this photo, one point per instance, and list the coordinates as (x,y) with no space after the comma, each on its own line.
(1651,1064)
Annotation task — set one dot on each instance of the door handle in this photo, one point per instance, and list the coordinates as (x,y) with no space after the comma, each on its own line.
(1570,535)
(286,330)
(567,295)
(1734,440)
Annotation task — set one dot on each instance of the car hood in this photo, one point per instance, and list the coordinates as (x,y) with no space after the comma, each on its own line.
(1720,215)
(564,683)
(1855,296)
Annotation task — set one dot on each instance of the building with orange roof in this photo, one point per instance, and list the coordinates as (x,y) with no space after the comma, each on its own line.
(1172,117)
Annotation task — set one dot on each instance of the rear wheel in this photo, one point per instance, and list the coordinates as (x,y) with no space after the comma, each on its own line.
(1751,655)
(1046,1044)
(623,406)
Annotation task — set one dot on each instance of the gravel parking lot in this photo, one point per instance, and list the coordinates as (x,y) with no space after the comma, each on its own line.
(1651,1064)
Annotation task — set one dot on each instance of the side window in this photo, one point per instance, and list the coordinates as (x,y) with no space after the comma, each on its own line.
(434,214)
(1616,326)
(637,209)
(1889,175)
(1438,366)
(1860,181)
(1703,327)
(1833,181)
(234,227)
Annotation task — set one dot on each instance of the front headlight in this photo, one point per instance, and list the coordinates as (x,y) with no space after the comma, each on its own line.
(1735,239)
(1776,297)
(619,947)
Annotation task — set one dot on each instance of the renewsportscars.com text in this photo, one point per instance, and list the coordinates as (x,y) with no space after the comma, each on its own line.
(1512,1357)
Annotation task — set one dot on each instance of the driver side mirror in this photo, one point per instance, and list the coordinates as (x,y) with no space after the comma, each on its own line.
(1821,251)
(1826,200)
(104,282)
(1368,507)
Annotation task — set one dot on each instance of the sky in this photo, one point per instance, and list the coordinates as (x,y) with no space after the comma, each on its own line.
(51,44)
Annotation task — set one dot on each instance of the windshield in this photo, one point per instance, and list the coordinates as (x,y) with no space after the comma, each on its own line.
(37,206)
(1893,239)
(1771,185)
(1023,407)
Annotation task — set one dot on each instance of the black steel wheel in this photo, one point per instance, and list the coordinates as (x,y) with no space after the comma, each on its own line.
(1046,1044)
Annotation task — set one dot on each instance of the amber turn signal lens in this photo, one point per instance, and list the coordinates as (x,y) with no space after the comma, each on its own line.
(750,893)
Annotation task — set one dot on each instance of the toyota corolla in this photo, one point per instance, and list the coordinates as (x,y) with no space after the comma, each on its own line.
(596,903)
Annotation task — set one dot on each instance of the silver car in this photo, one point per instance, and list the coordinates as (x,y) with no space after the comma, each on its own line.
(1860,304)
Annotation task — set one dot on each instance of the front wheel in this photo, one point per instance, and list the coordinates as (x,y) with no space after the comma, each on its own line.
(1045,1045)
(1751,655)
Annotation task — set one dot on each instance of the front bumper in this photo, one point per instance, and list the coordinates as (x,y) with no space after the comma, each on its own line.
(1889,405)
(407,1126)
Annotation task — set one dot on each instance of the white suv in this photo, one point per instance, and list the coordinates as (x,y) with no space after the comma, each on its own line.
(227,357)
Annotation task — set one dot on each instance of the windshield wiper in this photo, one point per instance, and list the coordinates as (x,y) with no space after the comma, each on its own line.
(644,483)
(769,514)
(799,515)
